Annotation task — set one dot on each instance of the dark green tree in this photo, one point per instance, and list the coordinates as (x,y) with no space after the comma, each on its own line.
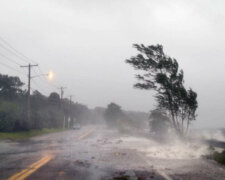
(112,114)
(54,99)
(10,87)
(162,74)
(39,104)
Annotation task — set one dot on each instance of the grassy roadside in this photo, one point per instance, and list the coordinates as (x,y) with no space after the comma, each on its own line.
(219,157)
(216,156)
(27,134)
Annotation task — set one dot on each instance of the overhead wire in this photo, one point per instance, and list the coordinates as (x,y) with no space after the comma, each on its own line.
(9,67)
(10,59)
(11,49)
(15,51)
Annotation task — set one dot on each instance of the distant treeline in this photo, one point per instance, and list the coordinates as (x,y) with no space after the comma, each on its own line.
(51,111)
(46,111)
(126,121)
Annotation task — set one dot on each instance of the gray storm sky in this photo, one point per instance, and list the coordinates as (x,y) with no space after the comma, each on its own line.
(85,43)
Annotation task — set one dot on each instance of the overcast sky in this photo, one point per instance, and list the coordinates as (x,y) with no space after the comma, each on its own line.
(85,43)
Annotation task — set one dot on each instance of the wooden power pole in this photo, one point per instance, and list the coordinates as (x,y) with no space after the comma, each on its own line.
(61,104)
(29,66)
(61,92)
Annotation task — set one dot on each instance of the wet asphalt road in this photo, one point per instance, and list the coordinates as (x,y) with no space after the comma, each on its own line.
(94,153)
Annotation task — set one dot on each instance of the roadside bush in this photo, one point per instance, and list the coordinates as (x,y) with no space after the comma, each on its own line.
(219,157)
(9,115)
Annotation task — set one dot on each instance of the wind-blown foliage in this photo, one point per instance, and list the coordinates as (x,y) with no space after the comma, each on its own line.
(162,74)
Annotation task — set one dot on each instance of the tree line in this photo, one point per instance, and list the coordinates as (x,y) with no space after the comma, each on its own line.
(46,111)
(53,112)
(125,121)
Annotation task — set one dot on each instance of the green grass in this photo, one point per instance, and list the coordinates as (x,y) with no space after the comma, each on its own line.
(26,134)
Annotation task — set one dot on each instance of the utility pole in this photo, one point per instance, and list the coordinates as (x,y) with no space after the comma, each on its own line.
(61,92)
(70,111)
(29,66)
(61,104)
(71,100)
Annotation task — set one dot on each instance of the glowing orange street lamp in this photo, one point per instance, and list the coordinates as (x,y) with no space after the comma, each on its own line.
(50,75)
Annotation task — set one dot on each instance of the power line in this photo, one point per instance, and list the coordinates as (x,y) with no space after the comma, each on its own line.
(51,87)
(9,59)
(9,67)
(37,85)
(15,51)
(10,51)
(8,47)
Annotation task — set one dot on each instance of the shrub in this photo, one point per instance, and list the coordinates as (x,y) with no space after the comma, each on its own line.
(219,157)
(9,114)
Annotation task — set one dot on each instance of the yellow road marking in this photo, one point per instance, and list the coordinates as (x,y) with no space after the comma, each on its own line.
(25,170)
(35,166)
(85,135)
(31,169)
(61,173)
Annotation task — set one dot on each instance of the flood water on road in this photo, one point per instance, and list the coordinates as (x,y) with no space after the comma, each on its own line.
(95,152)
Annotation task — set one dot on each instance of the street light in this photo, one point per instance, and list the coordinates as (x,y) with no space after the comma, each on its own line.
(50,75)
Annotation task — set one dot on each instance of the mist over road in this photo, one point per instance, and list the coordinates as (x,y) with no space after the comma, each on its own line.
(95,152)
